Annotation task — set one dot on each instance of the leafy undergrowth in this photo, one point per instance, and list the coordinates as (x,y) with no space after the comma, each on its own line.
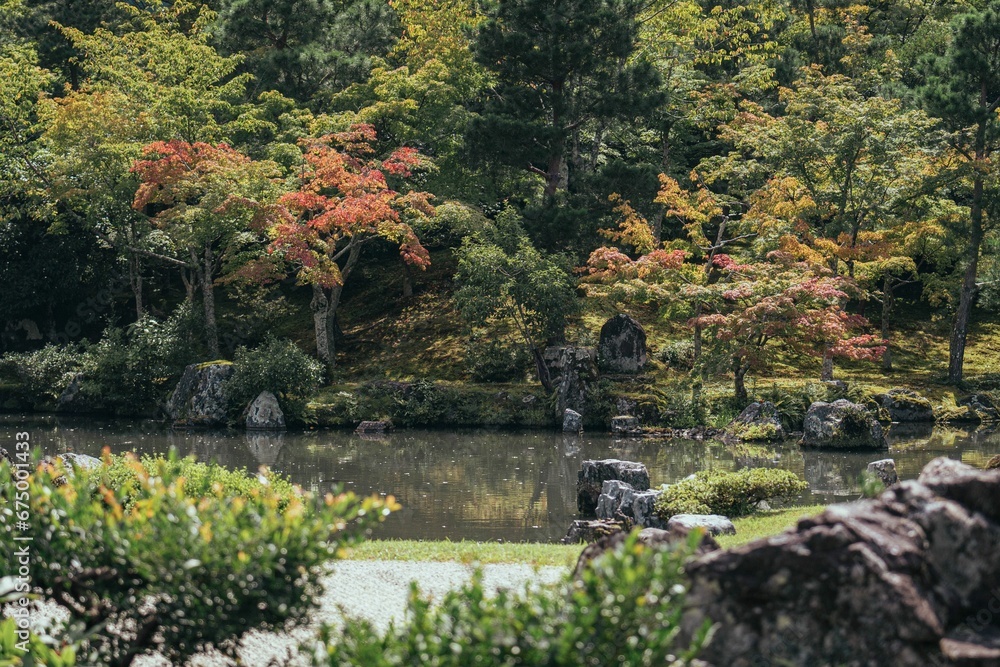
(765,524)
(483,553)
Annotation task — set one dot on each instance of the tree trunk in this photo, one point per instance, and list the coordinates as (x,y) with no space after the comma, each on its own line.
(320,306)
(887,302)
(407,281)
(135,280)
(542,369)
(739,381)
(208,297)
(827,373)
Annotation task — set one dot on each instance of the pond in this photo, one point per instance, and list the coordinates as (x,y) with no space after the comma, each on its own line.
(480,484)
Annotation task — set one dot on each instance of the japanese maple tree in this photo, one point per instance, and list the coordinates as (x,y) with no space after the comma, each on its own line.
(343,202)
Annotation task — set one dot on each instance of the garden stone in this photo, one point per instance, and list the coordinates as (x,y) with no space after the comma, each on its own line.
(572,370)
(993,463)
(622,348)
(593,474)
(982,408)
(643,504)
(904,405)
(655,538)
(265,413)
(572,421)
(897,580)
(885,470)
(625,425)
(198,400)
(842,425)
(758,421)
(609,503)
(70,399)
(590,530)
(714,524)
(373,427)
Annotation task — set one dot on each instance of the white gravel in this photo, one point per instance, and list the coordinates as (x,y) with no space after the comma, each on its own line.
(375,590)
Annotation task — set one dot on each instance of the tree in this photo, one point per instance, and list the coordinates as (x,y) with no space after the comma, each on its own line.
(559,66)
(343,202)
(204,197)
(303,48)
(963,88)
(502,276)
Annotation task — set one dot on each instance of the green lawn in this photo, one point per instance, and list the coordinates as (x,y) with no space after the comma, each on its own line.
(747,529)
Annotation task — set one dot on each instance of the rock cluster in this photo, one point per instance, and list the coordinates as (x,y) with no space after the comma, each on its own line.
(593,474)
(759,421)
(910,579)
(622,348)
(198,399)
(842,425)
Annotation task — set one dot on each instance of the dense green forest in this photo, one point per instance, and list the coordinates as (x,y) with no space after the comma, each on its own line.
(769,181)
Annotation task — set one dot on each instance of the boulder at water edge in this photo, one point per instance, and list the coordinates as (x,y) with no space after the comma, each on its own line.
(759,421)
(593,474)
(904,405)
(626,425)
(198,399)
(885,470)
(622,348)
(572,421)
(265,414)
(909,579)
(842,425)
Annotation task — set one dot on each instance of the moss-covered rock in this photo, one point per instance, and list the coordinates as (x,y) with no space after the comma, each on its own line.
(842,425)
(904,405)
(759,422)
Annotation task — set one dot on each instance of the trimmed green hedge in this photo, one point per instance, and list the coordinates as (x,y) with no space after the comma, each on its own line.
(728,493)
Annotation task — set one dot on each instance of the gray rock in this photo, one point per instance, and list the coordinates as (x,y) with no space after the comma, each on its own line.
(571,370)
(981,409)
(904,405)
(758,421)
(572,421)
(842,425)
(885,470)
(265,414)
(198,400)
(609,503)
(590,530)
(622,348)
(655,538)
(908,579)
(643,505)
(373,427)
(70,399)
(593,474)
(625,425)
(714,524)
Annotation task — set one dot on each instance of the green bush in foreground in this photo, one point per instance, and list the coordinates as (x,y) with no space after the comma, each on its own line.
(157,566)
(624,610)
(728,493)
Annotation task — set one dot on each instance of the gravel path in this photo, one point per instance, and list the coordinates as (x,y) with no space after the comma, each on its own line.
(375,590)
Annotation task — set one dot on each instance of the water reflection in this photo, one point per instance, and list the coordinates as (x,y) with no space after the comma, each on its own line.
(486,485)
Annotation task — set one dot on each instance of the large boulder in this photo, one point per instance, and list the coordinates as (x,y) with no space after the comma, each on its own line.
(842,425)
(572,421)
(626,425)
(572,370)
(622,348)
(198,400)
(904,405)
(265,414)
(759,421)
(593,474)
(908,579)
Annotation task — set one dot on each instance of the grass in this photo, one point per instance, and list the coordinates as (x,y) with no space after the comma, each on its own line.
(765,524)
(748,528)
(484,553)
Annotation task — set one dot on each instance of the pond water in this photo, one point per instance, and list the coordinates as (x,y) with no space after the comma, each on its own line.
(480,484)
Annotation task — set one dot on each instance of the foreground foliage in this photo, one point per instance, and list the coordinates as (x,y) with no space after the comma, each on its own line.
(624,609)
(163,564)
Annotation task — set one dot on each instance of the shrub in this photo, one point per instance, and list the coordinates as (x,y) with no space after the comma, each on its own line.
(278,366)
(44,373)
(624,610)
(728,493)
(678,354)
(158,568)
(497,361)
(130,371)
